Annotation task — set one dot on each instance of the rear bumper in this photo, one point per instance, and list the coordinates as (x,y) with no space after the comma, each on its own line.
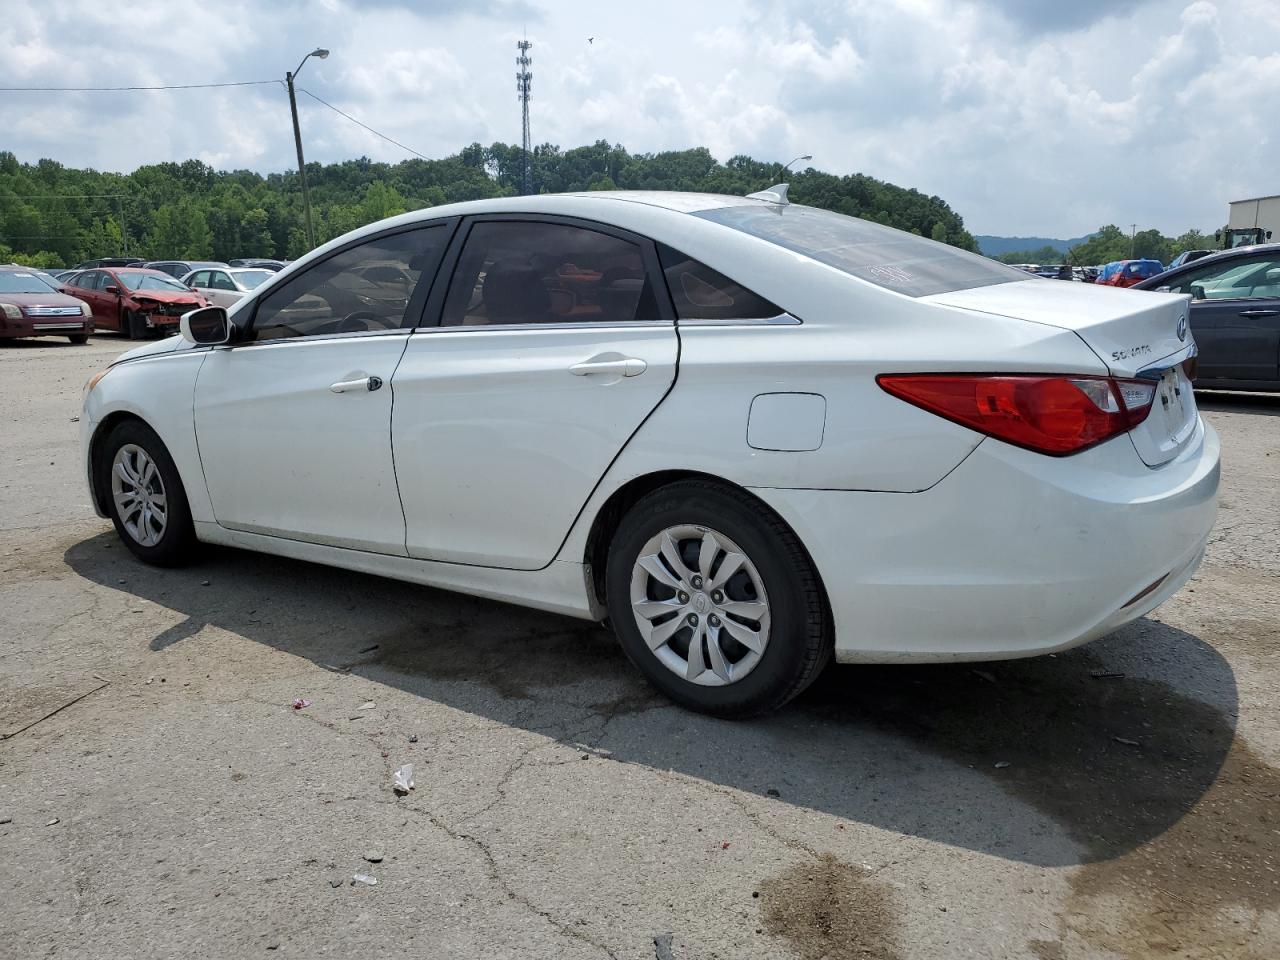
(1013,554)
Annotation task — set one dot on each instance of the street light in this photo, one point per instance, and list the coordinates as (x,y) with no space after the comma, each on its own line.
(319,53)
(788,166)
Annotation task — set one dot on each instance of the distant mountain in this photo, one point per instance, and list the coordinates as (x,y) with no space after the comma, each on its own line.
(994,246)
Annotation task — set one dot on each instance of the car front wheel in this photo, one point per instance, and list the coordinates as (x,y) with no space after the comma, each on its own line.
(140,485)
(132,325)
(716,601)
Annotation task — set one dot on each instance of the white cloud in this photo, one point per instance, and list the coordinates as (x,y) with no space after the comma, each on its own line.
(1028,117)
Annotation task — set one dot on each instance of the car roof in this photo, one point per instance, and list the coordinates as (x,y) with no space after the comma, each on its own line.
(137,269)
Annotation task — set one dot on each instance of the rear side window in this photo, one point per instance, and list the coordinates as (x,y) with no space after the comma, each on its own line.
(898,261)
(700,293)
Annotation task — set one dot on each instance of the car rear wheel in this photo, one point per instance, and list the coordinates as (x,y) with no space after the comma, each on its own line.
(78,338)
(139,482)
(715,600)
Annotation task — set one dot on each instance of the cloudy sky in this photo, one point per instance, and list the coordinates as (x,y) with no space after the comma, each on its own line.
(1030,117)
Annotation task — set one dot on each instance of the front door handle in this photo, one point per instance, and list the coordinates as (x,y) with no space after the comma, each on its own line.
(1259,313)
(619,367)
(349,386)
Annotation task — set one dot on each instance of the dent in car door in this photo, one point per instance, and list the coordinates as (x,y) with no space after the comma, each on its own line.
(502,429)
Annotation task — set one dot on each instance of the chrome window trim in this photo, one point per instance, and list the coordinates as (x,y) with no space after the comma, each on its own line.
(570,325)
(313,338)
(781,320)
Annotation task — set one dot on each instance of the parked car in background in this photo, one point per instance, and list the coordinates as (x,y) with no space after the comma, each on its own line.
(30,306)
(180,268)
(1234,317)
(1090,274)
(700,416)
(1128,272)
(133,301)
(1187,256)
(109,262)
(224,286)
(265,263)
(61,275)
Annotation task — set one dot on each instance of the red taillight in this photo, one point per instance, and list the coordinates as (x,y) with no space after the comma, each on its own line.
(1053,414)
(1191,367)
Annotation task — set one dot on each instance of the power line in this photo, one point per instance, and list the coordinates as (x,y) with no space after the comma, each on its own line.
(66,196)
(170,86)
(364,125)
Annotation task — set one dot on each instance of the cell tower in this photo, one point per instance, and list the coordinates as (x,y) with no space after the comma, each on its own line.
(524,81)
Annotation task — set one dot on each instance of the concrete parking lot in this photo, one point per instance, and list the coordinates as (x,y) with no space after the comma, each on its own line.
(1120,800)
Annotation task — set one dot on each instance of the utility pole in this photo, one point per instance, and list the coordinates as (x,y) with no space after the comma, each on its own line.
(1133,236)
(319,53)
(524,82)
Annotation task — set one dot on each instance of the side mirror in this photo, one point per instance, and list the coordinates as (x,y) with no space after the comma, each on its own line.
(1197,292)
(207,326)
(112,289)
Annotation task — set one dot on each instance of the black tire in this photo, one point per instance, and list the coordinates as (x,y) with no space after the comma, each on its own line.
(177,544)
(78,338)
(132,325)
(799,642)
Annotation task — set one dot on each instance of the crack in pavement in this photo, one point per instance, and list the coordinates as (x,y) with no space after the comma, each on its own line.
(492,869)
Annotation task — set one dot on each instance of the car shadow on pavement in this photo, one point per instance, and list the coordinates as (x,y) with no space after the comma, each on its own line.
(1266,404)
(1076,758)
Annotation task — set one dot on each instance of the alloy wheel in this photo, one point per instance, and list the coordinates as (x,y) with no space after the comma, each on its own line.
(700,605)
(139,494)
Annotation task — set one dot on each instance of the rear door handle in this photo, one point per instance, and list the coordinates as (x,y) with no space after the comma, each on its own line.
(1259,313)
(350,386)
(620,367)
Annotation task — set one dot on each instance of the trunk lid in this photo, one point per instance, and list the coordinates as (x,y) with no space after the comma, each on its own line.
(1136,333)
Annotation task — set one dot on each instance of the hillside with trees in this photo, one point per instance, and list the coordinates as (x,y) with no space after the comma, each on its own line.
(1111,243)
(52,216)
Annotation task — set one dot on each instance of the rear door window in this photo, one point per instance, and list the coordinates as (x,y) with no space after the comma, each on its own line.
(889,258)
(533,272)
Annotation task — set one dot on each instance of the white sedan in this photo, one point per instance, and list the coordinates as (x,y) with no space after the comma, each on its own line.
(224,286)
(752,434)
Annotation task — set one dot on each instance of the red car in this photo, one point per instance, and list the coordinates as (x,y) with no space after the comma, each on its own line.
(136,302)
(30,307)
(1125,273)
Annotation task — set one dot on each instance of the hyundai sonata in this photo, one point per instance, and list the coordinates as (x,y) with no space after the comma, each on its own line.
(752,434)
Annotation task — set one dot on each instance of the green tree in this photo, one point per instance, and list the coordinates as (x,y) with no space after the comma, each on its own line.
(179,230)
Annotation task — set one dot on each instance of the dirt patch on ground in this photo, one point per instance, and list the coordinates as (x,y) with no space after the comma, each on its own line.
(1203,888)
(829,910)
(33,559)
